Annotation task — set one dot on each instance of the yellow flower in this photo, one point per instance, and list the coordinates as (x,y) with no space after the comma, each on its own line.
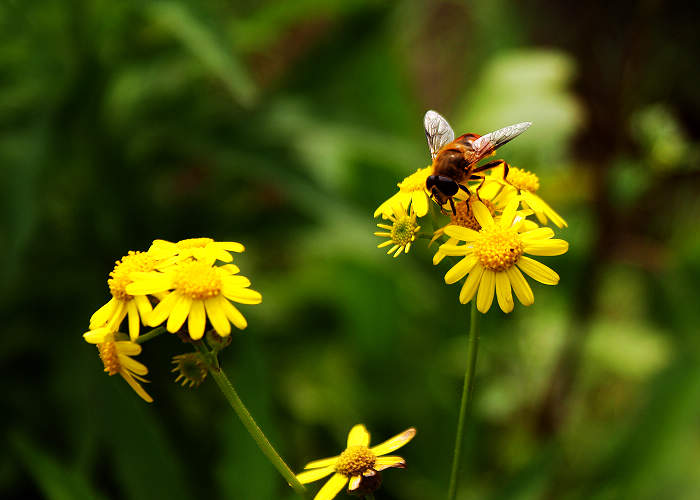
(401,233)
(357,461)
(525,184)
(494,258)
(122,303)
(411,191)
(198,290)
(195,248)
(116,358)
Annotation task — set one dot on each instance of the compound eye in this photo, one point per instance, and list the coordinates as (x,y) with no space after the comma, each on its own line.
(430,182)
(447,186)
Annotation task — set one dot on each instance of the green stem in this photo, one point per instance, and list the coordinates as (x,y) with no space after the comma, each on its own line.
(150,335)
(248,421)
(473,347)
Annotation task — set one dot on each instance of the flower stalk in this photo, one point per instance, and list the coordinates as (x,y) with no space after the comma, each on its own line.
(150,335)
(247,419)
(472,349)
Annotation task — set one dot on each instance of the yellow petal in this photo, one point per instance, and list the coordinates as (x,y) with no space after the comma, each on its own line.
(482,214)
(394,443)
(314,474)
(98,335)
(233,314)
(455,250)
(197,319)
(471,284)
(459,270)
(503,293)
(461,233)
(179,314)
(332,487)
(484,298)
(242,295)
(144,307)
(546,247)
(132,365)
(537,271)
(217,317)
(162,310)
(146,283)
(128,348)
(509,213)
(103,314)
(420,203)
(134,320)
(323,462)
(354,482)
(520,286)
(136,386)
(389,461)
(358,436)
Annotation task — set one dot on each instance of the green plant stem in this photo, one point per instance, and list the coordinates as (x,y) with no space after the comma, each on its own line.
(247,419)
(472,349)
(150,335)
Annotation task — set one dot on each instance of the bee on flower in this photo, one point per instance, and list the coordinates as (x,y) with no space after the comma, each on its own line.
(357,464)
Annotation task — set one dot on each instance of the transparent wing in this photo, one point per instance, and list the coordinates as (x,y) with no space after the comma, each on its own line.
(494,140)
(437,131)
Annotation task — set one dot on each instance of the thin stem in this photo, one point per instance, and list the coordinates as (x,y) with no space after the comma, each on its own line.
(472,349)
(150,335)
(247,419)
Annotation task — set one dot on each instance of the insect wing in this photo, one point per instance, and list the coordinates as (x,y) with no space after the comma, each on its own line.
(437,131)
(488,143)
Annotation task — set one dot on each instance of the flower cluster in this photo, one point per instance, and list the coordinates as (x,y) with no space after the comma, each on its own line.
(192,281)
(488,228)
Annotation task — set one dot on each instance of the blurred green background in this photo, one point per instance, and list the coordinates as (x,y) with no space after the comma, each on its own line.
(283,125)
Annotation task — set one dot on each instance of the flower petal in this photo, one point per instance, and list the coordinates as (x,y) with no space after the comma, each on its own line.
(420,203)
(461,233)
(354,482)
(484,298)
(103,314)
(241,295)
(389,461)
(323,462)
(179,314)
(309,476)
(132,365)
(134,320)
(98,335)
(503,292)
(471,284)
(197,319)
(233,314)
(520,286)
(459,270)
(162,310)
(453,249)
(358,436)
(547,247)
(217,316)
(136,386)
(146,283)
(509,212)
(332,487)
(541,233)
(538,271)
(482,214)
(394,443)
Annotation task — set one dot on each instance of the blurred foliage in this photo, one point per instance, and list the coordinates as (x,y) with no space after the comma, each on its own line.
(283,125)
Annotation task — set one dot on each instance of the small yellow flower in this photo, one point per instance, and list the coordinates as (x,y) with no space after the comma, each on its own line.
(523,183)
(494,258)
(411,191)
(122,303)
(401,233)
(198,290)
(190,369)
(116,358)
(195,248)
(357,461)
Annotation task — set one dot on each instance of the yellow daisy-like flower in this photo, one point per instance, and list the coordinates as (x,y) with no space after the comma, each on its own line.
(196,248)
(523,183)
(401,233)
(198,290)
(137,307)
(357,461)
(494,258)
(411,191)
(116,358)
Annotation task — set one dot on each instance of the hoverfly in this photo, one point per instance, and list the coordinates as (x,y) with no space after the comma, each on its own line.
(455,160)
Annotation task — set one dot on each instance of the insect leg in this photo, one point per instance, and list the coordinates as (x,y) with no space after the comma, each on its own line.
(483,180)
(452,204)
(491,164)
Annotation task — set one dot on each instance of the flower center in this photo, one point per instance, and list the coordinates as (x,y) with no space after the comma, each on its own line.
(355,460)
(194,243)
(403,231)
(498,249)
(197,280)
(522,179)
(120,275)
(465,214)
(415,181)
(109,357)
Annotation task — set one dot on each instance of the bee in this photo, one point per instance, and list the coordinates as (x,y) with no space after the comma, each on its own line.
(455,160)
